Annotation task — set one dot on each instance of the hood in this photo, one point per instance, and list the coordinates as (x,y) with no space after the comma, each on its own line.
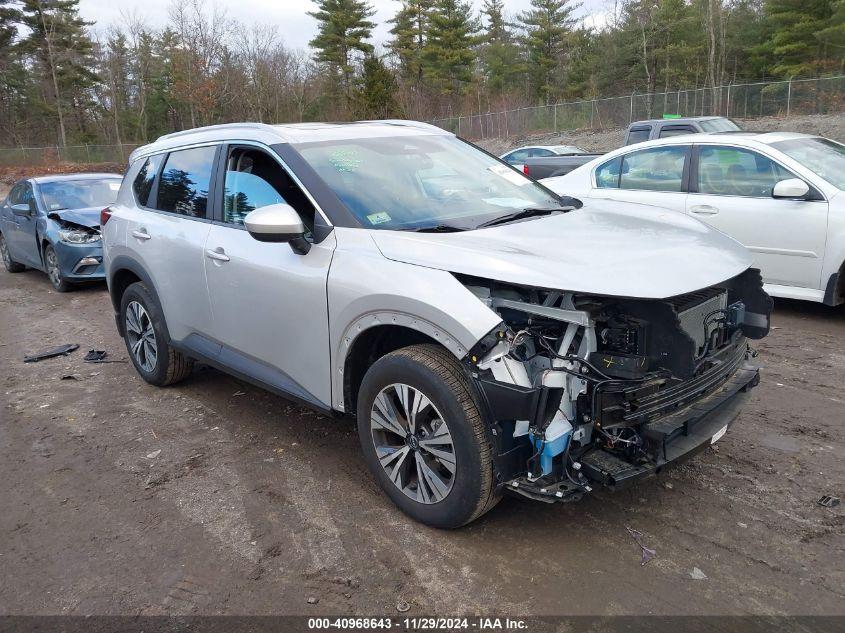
(605,248)
(89,217)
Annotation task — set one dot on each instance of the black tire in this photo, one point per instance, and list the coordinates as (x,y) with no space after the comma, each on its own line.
(434,372)
(10,264)
(170,366)
(54,273)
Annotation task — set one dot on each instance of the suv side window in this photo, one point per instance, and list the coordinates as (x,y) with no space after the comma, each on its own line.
(731,171)
(185,181)
(254,180)
(638,135)
(143,183)
(658,169)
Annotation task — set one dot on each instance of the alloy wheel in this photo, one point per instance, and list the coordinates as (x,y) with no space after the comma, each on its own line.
(4,251)
(413,443)
(141,336)
(53,271)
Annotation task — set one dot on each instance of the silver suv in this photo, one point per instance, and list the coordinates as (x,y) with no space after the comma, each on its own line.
(489,335)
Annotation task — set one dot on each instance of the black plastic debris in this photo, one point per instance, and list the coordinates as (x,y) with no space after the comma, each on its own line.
(828,501)
(648,553)
(61,350)
(95,355)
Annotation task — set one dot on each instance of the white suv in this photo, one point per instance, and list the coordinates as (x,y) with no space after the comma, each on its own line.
(488,335)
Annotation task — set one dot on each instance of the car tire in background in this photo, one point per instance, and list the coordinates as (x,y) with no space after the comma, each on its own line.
(144,333)
(54,270)
(441,472)
(10,264)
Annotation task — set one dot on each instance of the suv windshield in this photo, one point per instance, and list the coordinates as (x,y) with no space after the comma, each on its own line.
(424,181)
(824,157)
(79,194)
(719,125)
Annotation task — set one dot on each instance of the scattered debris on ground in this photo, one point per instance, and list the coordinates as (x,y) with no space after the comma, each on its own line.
(647,552)
(53,352)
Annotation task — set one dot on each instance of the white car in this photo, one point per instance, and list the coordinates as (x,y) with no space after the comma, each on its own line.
(516,157)
(779,194)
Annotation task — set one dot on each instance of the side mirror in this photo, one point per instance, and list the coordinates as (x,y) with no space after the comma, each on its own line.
(277,223)
(21,210)
(790,188)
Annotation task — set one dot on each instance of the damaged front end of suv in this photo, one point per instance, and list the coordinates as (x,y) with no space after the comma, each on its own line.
(582,390)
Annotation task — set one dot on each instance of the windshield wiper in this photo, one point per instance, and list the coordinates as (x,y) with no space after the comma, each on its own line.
(438,228)
(530,212)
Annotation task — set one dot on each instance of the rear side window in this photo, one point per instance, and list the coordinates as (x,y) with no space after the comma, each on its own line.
(675,130)
(638,135)
(143,183)
(517,157)
(185,181)
(658,169)
(607,175)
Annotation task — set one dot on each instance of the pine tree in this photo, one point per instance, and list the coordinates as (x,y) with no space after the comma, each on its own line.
(375,98)
(62,48)
(833,37)
(448,57)
(794,45)
(410,25)
(343,29)
(500,56)
(547,24)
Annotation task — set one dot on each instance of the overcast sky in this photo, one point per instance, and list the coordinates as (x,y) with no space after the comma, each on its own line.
(294,25)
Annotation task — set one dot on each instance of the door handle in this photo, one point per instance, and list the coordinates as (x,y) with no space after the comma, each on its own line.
(217,254)
(141,235)
(704,209)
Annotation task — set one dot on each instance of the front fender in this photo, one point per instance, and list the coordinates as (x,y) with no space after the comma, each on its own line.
(367,290)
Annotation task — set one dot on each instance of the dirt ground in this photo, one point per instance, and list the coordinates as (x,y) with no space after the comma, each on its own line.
(213,497)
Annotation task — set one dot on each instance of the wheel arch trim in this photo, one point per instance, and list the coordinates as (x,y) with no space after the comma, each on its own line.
(121,263)
(381,318)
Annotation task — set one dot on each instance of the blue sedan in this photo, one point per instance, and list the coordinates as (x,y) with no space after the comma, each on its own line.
(52,223)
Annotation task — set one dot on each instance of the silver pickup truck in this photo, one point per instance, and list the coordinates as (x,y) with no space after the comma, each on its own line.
(548,166)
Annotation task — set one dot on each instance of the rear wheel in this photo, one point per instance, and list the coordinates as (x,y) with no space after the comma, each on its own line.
(54,271)
(423,437)
(11,265)
(144,334)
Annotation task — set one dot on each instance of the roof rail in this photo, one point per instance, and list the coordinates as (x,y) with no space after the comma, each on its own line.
(221,126)
(420,125)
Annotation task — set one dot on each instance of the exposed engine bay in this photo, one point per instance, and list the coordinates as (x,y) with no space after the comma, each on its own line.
(582,389)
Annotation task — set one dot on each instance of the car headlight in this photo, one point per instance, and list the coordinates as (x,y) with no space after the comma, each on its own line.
(76,236)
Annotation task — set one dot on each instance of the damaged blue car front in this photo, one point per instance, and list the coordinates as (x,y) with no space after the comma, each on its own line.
(52,224)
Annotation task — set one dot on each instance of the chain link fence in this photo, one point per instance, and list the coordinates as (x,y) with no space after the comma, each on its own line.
(743,101)
(33,156)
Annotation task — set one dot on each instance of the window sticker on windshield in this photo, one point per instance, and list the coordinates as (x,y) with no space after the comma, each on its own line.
(345,160)
(509,174)
(378,218)
(114,186)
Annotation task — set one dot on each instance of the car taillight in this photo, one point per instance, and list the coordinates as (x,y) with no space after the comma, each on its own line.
(525,170)
(105,214)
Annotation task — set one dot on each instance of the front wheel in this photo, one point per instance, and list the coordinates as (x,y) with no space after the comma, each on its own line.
(423,437)
(144,333)
(54,271)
